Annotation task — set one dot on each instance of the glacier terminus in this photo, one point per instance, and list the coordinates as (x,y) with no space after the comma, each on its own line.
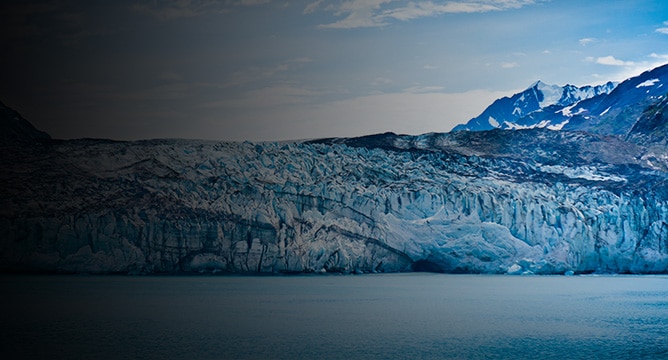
(560,180)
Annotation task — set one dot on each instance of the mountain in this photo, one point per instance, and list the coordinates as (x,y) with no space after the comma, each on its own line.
(609,109)
(652,125)
(617,112)
(516,112)
(531,201)
(16,129)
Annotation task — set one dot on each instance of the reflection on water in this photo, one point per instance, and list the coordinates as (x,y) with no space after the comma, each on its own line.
(334,317)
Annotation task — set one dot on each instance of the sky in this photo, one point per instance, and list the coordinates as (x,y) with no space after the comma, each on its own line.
(269,70)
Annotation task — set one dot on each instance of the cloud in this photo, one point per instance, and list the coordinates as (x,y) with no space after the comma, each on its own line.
(380,81)
(509,65)
(610,61)
(663,30)
(586,41)
(662,57)
(253,2)
(312,7)
(628,69)
(423,89)
(427,8)
(360,13)
(430,67)
(301,60)
(375,13)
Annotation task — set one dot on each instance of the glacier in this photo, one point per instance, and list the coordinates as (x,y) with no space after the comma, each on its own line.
(523,202)
(588,198)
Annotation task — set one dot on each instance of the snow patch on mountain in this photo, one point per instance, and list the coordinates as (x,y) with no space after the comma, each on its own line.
(567,111)
(559,126)
(513,126)
(647,83)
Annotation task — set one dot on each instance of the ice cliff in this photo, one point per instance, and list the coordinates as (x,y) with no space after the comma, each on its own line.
(531,201)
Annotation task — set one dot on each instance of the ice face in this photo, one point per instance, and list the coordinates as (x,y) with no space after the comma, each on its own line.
(468,202)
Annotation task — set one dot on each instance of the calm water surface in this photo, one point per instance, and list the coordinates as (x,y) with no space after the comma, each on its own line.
(403,316)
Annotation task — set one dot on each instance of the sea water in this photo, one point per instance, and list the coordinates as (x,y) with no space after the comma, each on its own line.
(375,316)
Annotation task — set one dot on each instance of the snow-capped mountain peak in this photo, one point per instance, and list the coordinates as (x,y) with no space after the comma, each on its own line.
(547,94)
(517,112)
(610,108)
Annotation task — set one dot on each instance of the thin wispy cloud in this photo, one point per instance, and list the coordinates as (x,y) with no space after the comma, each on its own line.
(380,81)
(301,60)
(375,13)
(586,41)
(423,89)
(358,13)
(253,2)
(663,30)
(427,8)
(312,7)
(509,65)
